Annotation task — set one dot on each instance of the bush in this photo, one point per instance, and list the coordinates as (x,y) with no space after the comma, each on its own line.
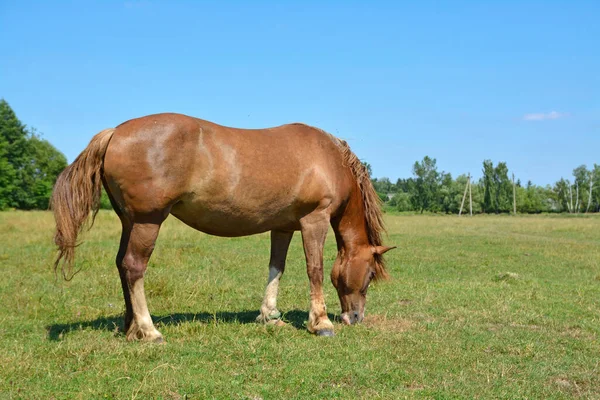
(402,202)
(105,201)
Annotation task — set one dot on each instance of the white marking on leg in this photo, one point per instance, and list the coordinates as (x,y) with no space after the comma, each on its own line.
(143,328)
(272,288)
(317,316)
(269,306)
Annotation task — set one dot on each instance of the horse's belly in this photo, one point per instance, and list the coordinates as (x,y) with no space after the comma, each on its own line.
(254,194)
(232,219)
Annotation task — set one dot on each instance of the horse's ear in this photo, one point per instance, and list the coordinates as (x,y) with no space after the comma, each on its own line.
(381,249)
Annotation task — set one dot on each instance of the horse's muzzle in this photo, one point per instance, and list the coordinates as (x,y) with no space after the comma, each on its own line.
(352,317)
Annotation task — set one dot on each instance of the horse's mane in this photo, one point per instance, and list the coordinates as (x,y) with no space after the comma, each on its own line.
(371,203)
(370,200)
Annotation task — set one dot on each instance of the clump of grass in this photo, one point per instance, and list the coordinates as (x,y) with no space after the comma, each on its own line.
(506,277)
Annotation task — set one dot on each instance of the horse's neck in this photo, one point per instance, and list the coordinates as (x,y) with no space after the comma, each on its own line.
(351,229)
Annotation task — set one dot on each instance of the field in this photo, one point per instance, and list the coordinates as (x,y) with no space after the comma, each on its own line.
(482,307)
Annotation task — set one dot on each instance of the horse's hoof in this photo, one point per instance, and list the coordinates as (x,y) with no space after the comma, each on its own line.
(276,322)
(325,332)
(274,316)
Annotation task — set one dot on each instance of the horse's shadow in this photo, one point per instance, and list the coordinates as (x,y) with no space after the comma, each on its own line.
(295,318)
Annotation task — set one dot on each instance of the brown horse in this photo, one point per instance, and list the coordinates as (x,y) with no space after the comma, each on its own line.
(227,182)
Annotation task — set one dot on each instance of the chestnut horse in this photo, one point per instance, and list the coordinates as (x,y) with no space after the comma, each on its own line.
(227,182)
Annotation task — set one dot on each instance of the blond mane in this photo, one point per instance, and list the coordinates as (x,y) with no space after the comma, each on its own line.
(371,203)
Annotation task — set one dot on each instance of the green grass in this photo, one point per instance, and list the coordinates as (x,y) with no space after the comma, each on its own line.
(482,307)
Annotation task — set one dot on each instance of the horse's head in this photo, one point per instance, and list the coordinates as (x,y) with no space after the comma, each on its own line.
(351,276)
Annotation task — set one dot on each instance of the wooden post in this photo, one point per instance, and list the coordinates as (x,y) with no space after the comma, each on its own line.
(464,197)
(470,197)
(514,195)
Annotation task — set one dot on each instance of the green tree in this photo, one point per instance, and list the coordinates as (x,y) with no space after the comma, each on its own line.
(7,174)
(401,201)
(581,195)
(383,185)
(497,188)
(583,178)
(426,184)
(532,199)
(595,207)
(446,193)
(478,193)
(13,146)
(45,162)
(403,185)
(561,190)
(29,164)
(502,189)
(488,186)
(457,193)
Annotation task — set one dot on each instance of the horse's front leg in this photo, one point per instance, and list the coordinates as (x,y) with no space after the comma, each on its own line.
(280,242)
(314,230)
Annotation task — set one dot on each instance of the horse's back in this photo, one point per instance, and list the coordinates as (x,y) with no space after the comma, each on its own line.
(223,180)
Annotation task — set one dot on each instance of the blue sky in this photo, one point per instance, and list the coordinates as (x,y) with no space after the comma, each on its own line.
(460,81)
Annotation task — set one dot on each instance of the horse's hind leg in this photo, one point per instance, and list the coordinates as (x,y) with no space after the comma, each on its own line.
(280,242)
(139,243)
(123,272)
(127,225)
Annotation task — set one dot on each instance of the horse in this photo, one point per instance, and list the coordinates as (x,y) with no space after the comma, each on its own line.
(227,182)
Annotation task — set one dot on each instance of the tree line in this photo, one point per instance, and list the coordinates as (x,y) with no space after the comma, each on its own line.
(29,166)
(495,192)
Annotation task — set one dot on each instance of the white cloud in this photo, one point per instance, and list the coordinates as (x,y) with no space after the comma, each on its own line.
(544,116)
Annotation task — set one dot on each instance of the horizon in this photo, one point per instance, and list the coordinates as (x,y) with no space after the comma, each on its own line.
(459,82)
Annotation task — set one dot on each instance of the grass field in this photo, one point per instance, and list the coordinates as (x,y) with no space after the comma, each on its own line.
(482,307)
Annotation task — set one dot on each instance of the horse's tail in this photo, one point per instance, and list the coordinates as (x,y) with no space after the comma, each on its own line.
(77,193)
